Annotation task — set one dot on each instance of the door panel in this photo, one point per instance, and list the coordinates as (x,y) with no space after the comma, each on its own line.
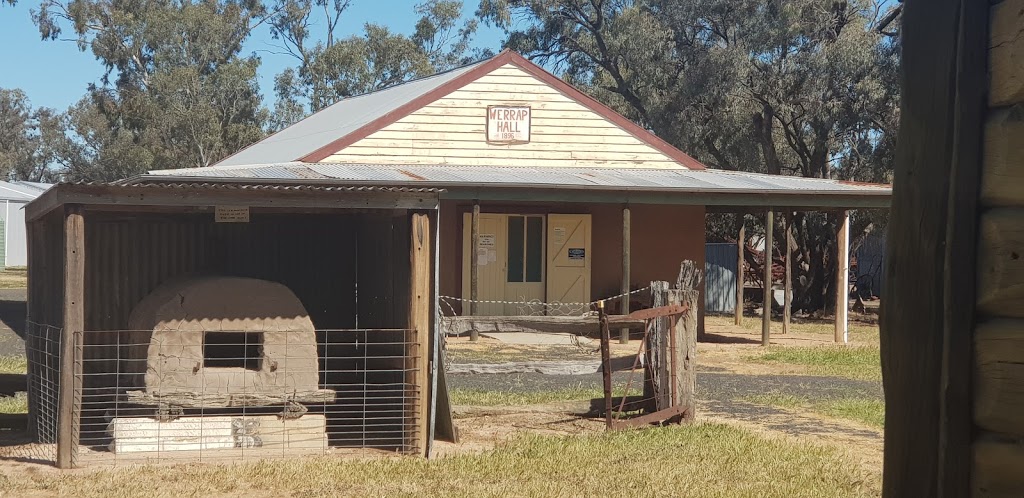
(568,262)
(525,252)
(492,268)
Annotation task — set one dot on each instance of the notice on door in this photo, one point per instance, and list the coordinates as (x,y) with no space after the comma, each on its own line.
(487,240)
(481,256)
(231,214)
(577,253)
(508,124)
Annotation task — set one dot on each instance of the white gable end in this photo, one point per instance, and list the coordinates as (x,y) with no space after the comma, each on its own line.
(452,130)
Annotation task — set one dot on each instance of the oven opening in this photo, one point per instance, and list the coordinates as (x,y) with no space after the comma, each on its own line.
(233,350)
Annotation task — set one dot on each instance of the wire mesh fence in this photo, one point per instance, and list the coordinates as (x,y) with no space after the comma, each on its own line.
(203,395)
(42,350)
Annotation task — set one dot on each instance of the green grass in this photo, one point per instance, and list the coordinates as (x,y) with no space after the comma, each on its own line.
(852,362)
(14,404)
(867,411)
(481,397)
(15,277)
(708,460)
(13,364)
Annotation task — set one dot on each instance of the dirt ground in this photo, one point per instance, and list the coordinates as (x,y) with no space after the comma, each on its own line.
(726,377)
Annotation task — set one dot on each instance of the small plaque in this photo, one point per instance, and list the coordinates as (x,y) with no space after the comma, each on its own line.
(487,240)
(577,253)
(232,214)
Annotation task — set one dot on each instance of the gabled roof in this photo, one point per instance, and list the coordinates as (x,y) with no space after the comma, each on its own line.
(352,119)
(21,191)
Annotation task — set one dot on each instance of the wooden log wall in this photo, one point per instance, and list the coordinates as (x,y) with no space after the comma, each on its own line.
(998,360)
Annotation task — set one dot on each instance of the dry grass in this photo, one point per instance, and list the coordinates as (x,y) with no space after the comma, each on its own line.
(13,364)
(710,460)
(14,404)
(860,332)
(15,277)
(867,411)
(852,362)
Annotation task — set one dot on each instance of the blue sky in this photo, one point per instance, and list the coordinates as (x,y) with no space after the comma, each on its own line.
(56,74)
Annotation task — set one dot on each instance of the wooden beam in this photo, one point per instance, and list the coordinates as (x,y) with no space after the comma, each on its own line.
(116,195)
(766,287)
(792,199)
(787,301)
(1001,260)
(741,243)
(70,389)
(925,321)
(420,320)
(474,268)
(842,328)
(624,288)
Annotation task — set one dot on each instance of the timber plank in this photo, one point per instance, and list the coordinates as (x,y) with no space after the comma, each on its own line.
(999,376)
(1002,177)
(997,469)
(1000,263)
(1006,53)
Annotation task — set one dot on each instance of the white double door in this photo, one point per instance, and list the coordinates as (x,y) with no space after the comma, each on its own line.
(527,259)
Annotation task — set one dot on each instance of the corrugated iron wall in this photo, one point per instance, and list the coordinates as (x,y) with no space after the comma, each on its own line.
(720,278)
(871,265)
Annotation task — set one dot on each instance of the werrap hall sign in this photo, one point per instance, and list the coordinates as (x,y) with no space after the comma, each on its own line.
(508,124)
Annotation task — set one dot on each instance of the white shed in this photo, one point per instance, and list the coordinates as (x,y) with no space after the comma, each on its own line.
(13,197)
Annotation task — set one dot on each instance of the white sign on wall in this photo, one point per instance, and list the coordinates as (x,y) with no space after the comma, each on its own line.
(508,124)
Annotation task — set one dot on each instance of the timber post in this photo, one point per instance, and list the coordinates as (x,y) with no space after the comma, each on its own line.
(474,269)
(766,286)
(606,363)
(842,330)
(685,354)
(624,332)
(420,290)
(70,390)
(741,242)
(657,352)
(787,301)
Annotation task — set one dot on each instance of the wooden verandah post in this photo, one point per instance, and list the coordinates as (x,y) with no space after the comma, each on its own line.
(741,242)
(842,278)
(624,332)
(787,302)
(766,314)
(474,268)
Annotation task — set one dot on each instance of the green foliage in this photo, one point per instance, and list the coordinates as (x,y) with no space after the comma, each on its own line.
(28,137)
(331,69)
(176,93)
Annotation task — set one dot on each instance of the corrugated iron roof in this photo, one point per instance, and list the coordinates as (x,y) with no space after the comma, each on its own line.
(338,120)
(637,179)
(142,182)
(22,191)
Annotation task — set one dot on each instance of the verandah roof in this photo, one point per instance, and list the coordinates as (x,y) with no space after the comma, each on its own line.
(608,185)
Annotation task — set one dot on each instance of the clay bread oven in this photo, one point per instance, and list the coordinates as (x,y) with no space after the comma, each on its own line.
(223,341)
